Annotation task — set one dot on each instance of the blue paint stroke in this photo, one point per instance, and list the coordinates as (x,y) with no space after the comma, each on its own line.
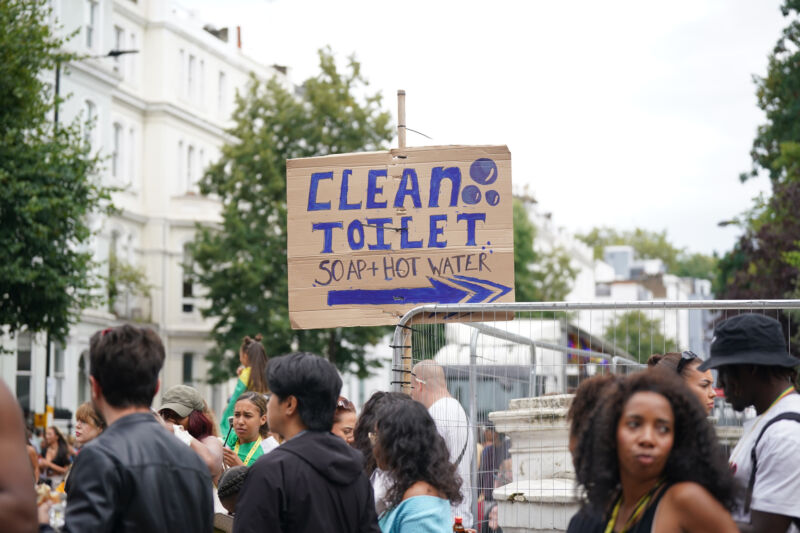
(438,292)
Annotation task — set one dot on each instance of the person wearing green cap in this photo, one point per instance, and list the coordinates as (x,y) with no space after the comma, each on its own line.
(186,414)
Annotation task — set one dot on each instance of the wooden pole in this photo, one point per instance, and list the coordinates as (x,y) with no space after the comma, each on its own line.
(401,118)
(407,337)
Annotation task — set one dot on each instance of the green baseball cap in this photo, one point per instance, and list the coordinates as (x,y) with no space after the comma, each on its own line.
(183,400)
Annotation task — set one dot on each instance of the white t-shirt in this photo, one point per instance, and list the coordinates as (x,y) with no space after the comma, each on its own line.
(777,485)
(380,486)
(269,444)
(453,426)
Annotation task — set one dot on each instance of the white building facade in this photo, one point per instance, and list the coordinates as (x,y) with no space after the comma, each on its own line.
(159,119)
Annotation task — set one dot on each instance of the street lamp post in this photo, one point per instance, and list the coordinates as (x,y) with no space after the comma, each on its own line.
(111,53)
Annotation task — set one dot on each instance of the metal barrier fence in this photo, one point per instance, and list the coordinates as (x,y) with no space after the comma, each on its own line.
(492,356)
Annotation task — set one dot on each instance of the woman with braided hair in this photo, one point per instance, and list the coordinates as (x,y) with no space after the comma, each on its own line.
(252,374)
(230,483)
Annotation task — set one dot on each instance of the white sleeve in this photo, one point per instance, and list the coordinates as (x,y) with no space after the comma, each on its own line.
(778,476)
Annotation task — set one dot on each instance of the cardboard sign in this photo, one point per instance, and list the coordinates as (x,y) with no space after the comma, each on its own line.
(372,235)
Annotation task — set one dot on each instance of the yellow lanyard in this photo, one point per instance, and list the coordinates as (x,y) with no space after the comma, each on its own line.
(757,423)
(641,505)
(256,445)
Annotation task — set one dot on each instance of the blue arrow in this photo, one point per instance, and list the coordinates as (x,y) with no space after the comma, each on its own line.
(438,292)
(503,288)
(481,292)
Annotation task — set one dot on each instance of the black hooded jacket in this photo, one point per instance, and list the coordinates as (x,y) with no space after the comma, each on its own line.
(312,483)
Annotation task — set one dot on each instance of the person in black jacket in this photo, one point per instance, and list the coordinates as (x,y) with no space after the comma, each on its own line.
(314,481)
(135,476)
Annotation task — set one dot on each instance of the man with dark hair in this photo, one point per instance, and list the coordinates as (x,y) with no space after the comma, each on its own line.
(135,476)
(749,352)
(314,481)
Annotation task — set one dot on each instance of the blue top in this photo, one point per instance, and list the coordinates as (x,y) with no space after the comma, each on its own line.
(418,514)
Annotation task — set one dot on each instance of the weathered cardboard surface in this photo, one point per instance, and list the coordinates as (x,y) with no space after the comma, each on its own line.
(486,269)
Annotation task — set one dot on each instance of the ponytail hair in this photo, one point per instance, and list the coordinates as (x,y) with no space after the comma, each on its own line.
(257,357)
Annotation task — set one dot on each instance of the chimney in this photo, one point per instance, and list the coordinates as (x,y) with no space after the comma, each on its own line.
(239,37)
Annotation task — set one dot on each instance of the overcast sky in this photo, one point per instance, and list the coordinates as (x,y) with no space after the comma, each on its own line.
(617,113)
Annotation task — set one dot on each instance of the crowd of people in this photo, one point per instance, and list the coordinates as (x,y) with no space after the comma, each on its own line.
(292,455)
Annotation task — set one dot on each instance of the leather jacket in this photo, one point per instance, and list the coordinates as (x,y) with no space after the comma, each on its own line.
(137,477)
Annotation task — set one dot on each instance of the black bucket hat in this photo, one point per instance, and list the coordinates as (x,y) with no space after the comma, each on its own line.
(749,339)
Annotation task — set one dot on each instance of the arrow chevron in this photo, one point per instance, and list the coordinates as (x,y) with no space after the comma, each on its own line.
(437,292)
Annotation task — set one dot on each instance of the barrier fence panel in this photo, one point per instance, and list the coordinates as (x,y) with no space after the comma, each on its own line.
(514,367)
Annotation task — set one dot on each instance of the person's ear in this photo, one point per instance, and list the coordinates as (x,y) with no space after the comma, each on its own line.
(291,405)
(97,390)
(158,385)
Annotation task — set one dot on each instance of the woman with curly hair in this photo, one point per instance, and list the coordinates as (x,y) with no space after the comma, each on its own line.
(685,365)
(252,375)
(651,462)
(423,481)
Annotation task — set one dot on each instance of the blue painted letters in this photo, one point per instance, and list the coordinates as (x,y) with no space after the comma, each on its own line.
(313,205)
(373,190)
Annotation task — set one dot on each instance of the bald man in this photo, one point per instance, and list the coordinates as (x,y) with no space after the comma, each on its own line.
(430,389)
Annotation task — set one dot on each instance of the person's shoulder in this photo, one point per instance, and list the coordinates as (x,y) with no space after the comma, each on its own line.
(688,495)
(787,428)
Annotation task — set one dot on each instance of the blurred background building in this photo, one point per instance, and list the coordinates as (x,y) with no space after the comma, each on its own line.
(159,113)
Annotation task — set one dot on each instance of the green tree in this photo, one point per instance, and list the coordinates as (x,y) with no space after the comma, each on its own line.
(762,262)
(538,276)
(639,335)
(48,183)
(653,245)
(242,265)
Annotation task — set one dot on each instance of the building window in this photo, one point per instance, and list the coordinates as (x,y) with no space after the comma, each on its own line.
(188,368)
(83,378)
(119,44)
(91,118)
(188,285)
(201,164)
(116,155)
(191,76)
(182,89)
(131,156)
(189,167)
(222,94)
(24,370)
(201,83)
(58,374)
(91,24)
(130,60)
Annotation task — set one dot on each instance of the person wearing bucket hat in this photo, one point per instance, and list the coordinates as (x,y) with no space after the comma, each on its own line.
(755,368)
(185,413)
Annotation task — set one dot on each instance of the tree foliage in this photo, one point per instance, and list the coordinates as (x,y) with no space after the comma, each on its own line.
(48,183)
(639,334)
(761,264)
(539,276)
(653,245)
(242,265)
